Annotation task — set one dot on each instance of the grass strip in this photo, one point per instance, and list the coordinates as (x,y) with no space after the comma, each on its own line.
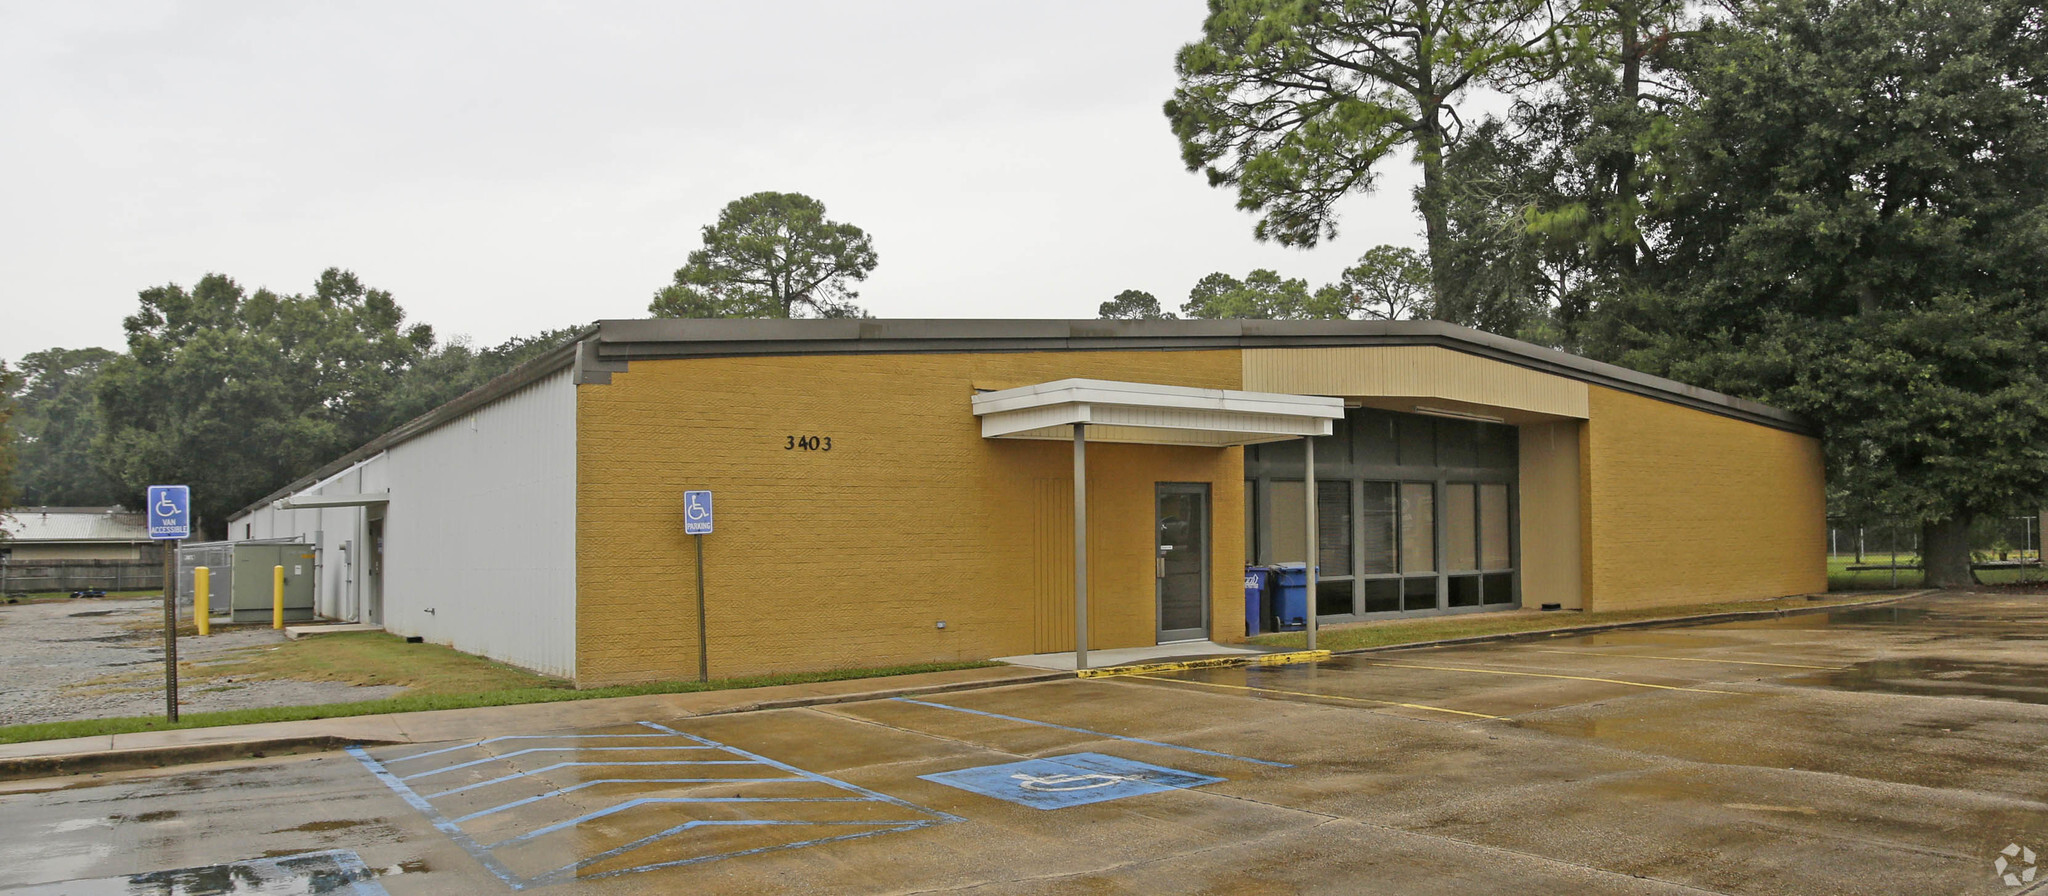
(12,734)
(1358,635)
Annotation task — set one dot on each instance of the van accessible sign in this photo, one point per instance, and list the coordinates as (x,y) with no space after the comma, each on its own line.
(170,512)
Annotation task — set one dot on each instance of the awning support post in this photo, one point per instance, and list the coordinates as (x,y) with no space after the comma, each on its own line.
(1080,546)
(1308,448)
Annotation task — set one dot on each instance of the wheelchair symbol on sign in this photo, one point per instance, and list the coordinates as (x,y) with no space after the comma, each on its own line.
(696,513)
(165,507)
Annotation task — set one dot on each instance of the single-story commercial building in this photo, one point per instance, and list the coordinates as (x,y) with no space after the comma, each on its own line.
(889,492)
(58,534)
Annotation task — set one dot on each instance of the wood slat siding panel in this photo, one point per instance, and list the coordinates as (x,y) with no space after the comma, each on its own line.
(1552,546)
(1412,371)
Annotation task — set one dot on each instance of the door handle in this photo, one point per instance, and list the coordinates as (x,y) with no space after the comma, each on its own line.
(1162,567)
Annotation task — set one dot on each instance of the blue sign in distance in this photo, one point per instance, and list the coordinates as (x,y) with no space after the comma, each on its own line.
(1077,779)
(697,513)
(170,512)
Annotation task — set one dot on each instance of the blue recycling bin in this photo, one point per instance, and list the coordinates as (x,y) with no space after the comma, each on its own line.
(1258,599)
(1290,596)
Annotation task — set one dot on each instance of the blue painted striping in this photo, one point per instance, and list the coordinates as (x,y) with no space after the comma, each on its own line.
(659,801)
(484,855)
(1135,740)
(843,785)
(575,787)
(441,823)
(1079,779)
(504,756)
(492,740)
(559,874)
(548,768)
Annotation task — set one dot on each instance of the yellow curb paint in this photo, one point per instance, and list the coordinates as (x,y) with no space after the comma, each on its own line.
(1685,659)
(1238,687)
(1636,684)
(1216,662)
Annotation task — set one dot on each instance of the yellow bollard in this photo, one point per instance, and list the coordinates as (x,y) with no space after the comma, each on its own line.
(277,597)
(202,579)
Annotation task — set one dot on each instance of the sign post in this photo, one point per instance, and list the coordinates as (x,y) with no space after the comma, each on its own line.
(697,524)
(170,520)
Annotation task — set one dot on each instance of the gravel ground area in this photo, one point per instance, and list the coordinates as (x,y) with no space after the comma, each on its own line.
(55,657)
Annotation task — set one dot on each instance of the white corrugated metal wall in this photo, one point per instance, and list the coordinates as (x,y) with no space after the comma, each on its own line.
(480,536)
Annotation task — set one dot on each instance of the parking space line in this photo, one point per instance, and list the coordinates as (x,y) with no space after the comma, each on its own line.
(492,740)
(559,765)
(1685,659)
(912,818)
(504,756)
(678,800)
(1135,740)
(1239,687)
(1636,684)
(575,787)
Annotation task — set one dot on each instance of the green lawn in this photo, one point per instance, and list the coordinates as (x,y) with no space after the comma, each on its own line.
(1841,578)
(436,678)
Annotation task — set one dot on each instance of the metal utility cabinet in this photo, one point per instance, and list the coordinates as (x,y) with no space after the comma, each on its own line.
(251,598)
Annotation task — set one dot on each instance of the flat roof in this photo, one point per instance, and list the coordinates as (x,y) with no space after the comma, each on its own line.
(607,346)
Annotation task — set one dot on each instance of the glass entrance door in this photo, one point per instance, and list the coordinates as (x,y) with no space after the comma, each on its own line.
(1182,561)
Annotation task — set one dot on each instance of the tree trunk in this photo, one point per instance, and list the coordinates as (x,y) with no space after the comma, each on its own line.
(1945,553)
(1436,228)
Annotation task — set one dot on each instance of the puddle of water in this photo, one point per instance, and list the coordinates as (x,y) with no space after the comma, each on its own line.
(1937,677)
(334,872)
(1834,619)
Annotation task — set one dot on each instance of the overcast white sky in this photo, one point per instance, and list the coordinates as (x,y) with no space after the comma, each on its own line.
(507,167)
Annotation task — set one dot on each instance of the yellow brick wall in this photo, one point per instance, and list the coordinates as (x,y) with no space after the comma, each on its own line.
(850,557)
(1683,506)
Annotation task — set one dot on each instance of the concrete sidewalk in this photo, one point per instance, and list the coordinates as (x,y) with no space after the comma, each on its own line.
(151,749)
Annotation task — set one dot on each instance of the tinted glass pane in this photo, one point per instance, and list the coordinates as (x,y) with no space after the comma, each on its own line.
(1382,595)
(1289,520)
(1418,527)
(1418,593)
(1374,437)
(1418,441)
(1496,446)
(1454,443)
(1493,527)
(1461,538)
(1499,587)
(1464,591)
(1333,530)
(1376,530)
(1333,598)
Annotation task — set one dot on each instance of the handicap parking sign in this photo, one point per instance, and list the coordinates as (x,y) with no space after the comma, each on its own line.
(1078,779)
(696,513)
(170,511)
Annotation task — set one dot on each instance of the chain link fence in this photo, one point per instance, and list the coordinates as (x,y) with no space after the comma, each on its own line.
(1886,553)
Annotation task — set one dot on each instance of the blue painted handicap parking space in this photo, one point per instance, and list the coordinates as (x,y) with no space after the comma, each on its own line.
(541,809)
(1078,779)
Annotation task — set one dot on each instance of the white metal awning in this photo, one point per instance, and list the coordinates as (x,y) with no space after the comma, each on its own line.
(1084,410)
(1151,414)
(302,502)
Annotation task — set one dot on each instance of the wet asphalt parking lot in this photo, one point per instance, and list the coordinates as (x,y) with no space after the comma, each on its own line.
(1900,749)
